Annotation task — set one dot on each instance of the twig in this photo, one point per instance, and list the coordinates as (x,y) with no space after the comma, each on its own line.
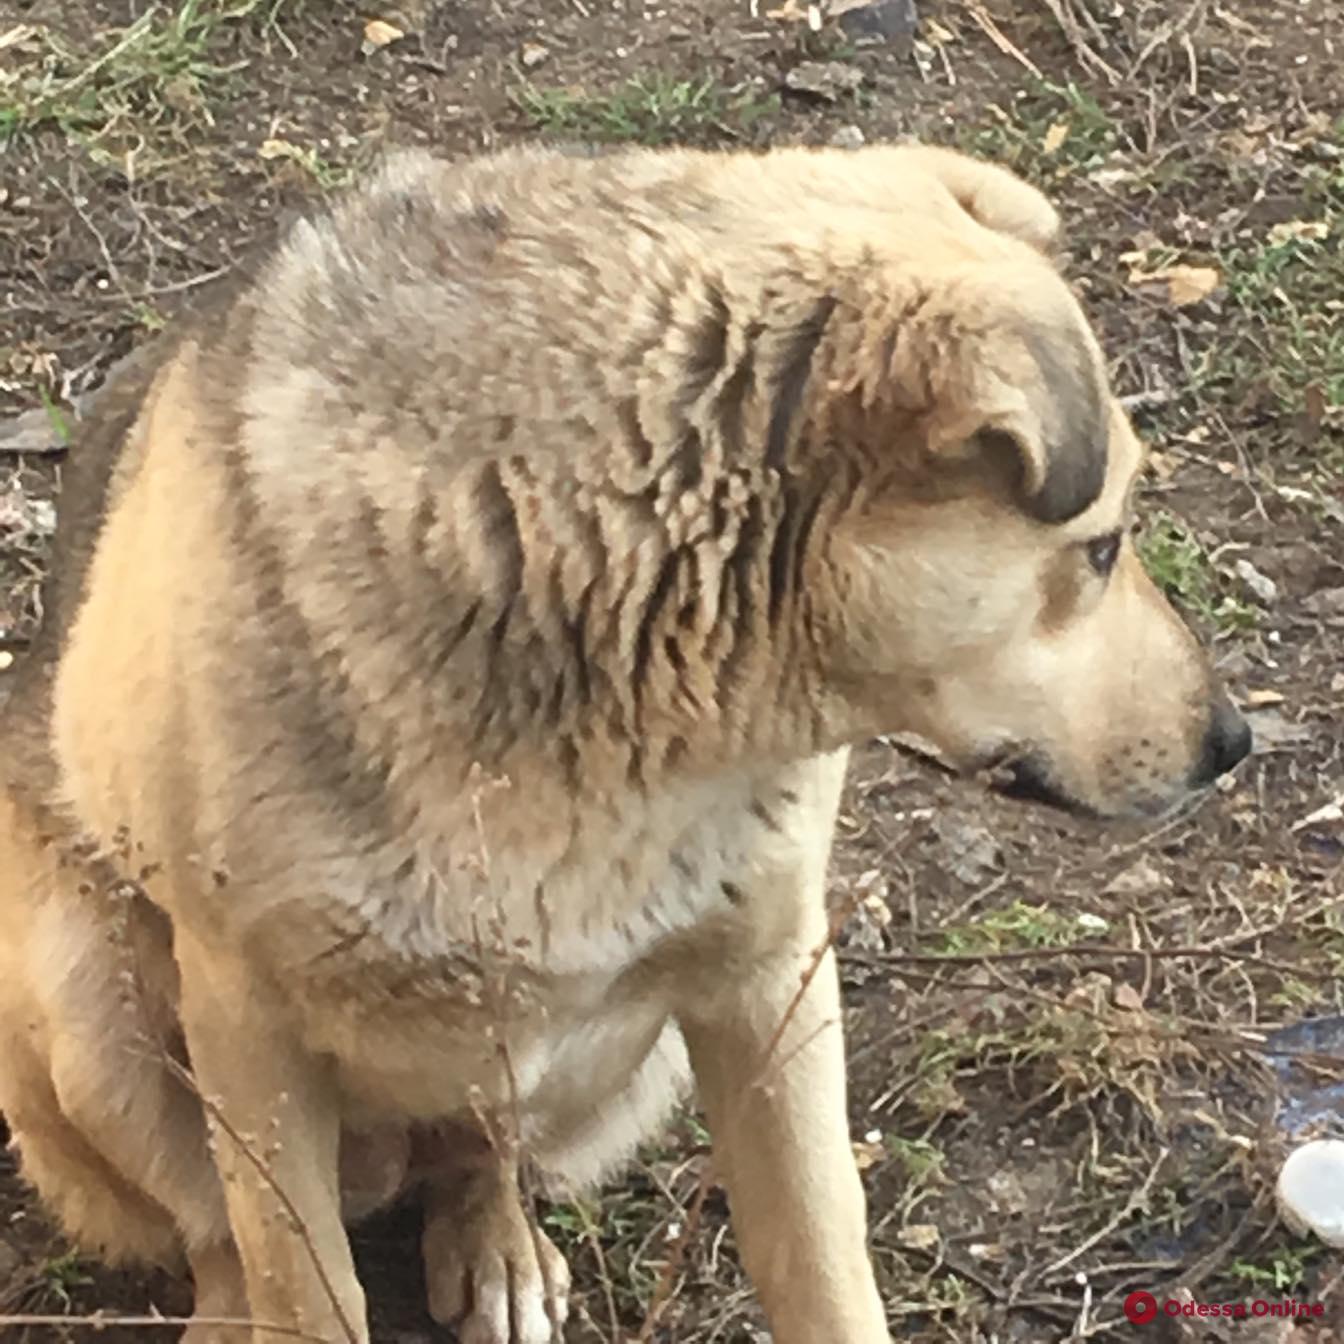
(996,36)
(101,1321)
(1131,1204)
(1142,401)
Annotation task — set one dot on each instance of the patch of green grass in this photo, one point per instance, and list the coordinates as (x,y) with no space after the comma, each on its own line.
(128,84)
(1018,925)
(62,1276)
(1284,1269)
(59,424)
(1052,131)
(651,110)
(921,1161)
(1286,289)
(327,175)
(1181,567)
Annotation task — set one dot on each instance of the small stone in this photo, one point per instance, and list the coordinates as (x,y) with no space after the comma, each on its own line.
(828,80)
(1311,1190)
(871,21)
(1260,586)
(1272,731)
(848,137)
(972,854)
(533,54)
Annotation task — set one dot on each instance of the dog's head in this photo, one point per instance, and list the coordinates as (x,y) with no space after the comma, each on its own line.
(980,587)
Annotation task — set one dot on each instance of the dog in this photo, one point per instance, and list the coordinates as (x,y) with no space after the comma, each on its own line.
(456,679)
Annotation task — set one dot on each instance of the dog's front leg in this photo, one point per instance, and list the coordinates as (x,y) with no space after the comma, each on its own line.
(275,1125)
(769,1064)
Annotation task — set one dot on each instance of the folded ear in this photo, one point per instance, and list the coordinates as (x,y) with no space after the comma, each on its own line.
(994,358)
(991,195)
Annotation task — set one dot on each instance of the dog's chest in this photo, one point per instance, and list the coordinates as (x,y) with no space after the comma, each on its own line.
(620,888)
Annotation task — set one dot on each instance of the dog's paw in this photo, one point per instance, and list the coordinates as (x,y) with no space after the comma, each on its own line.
(490,1274)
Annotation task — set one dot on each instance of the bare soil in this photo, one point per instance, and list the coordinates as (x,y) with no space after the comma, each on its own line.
(1061,1086)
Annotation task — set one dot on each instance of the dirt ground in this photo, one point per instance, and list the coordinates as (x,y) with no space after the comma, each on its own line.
(1067,1083)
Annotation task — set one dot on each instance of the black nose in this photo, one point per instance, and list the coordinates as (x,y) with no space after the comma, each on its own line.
(1227,743)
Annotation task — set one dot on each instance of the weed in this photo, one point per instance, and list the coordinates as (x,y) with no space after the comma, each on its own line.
(158,69)
(1051,131)
(62,1277)
(1019,925)
(1285,1269)
(654,109)
(1181,567)
(921,1162)
(59,424)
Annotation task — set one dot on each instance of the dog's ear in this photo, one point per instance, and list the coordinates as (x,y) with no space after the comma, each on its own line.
(995,363)
(992,195)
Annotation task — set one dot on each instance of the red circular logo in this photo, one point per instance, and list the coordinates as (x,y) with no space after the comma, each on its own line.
(1141,1308)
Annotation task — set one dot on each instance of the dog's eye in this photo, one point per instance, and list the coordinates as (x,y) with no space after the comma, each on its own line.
(1102,552)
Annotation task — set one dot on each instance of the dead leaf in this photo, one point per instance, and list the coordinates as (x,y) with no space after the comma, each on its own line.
(277,149)
(1311,418)
(1140,878)
(1127,997)
(378,33)
(1260,699)
(1055,137)
(1298,231)
(919,1236)
(868,1153)
(1161,465)
(1183,285)
(23,32)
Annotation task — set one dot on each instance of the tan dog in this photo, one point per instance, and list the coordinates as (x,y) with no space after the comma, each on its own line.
(646,483)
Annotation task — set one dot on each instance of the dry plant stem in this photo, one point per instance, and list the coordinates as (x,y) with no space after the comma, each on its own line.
(1131,1204)
(99,1321)
(996,36)
(264,1171)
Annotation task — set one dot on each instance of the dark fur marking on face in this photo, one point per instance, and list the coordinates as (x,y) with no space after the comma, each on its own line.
(733,892)
(790,379)
(1061,589)
(1074,426)
(788,796)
